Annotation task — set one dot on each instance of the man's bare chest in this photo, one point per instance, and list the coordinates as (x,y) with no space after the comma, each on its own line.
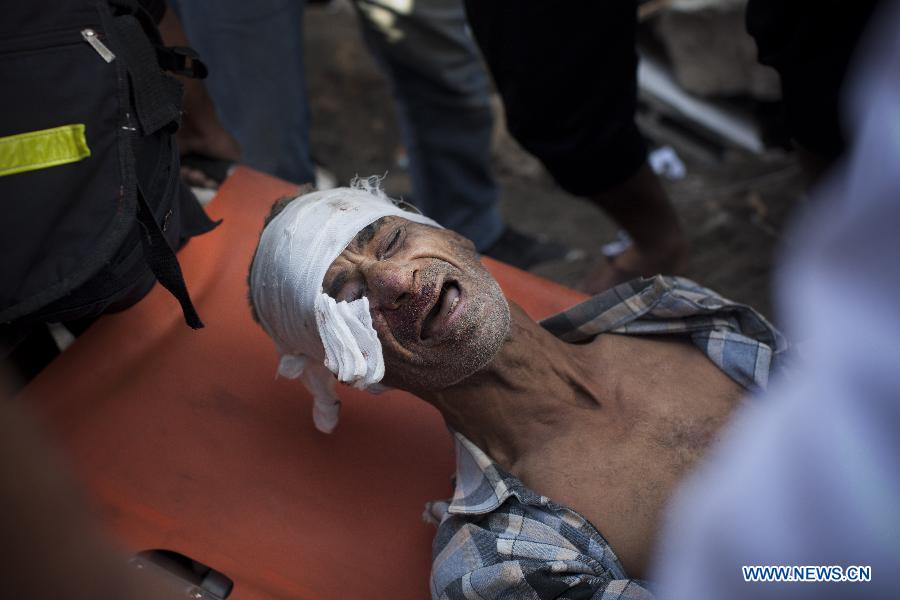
(620,465)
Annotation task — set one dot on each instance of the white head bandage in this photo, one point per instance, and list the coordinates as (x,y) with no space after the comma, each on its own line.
(314,335)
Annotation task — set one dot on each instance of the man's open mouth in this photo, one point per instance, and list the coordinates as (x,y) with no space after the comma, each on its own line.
(437,321)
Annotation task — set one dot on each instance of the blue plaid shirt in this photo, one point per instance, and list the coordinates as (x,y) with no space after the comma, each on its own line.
(499,539)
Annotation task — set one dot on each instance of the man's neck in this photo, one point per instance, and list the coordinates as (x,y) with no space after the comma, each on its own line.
(528,395)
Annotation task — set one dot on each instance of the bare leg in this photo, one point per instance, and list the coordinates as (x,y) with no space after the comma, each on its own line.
(640,206)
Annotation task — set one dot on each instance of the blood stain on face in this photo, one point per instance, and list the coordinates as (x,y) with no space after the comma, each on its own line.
(440,316)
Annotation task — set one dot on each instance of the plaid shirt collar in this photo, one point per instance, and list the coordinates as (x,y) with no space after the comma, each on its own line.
(481,484)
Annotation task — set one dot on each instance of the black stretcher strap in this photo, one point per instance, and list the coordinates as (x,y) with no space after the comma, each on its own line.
(162,261)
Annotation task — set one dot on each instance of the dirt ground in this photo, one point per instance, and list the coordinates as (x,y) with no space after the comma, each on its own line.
(734,211)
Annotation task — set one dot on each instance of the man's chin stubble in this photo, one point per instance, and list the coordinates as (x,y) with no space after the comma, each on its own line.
(459,362)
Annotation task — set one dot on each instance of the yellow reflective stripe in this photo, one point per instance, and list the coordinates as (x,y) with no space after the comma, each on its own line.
(41,149)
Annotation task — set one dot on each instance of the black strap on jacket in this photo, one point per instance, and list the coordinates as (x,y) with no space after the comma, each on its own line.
(162,261)
(181,61)
(157,101)
(157,98)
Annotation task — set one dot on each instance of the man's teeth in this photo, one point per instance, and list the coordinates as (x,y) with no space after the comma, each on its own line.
(451,298)
(448,298)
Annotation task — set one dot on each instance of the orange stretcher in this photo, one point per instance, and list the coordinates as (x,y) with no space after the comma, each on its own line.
(186,441)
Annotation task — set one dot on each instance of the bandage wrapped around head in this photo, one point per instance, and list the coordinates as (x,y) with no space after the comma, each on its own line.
(316,337)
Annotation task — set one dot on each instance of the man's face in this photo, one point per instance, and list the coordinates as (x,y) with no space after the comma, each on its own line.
(439,314)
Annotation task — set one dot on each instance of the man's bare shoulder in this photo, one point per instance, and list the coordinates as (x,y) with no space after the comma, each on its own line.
(662,404)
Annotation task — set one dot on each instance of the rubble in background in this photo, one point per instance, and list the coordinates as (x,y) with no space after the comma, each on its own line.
(711,52)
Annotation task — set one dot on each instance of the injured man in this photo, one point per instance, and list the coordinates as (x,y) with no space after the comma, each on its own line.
(571,434)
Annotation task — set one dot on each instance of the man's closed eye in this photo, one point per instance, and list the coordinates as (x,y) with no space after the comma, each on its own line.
(393,242)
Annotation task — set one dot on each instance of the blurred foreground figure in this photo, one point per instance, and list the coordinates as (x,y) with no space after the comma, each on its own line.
(53,546)
(811,475)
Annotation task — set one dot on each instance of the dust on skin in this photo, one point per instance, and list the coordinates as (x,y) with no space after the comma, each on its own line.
(607,428)
(408,271)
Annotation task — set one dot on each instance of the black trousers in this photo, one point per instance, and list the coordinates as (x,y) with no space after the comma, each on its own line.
(811,44)
(567,74)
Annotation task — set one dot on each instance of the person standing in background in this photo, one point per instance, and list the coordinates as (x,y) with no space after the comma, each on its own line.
(810,44)
(567,74)
(258,83)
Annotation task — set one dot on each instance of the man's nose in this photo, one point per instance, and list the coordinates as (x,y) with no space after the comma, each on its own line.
(391,284)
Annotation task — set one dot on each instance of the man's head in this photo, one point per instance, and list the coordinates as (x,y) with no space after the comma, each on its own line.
(439,316)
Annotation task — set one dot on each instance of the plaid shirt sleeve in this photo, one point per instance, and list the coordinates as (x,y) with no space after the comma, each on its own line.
(498,539)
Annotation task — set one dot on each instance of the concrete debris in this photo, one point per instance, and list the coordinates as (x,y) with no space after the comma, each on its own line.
(711,52)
